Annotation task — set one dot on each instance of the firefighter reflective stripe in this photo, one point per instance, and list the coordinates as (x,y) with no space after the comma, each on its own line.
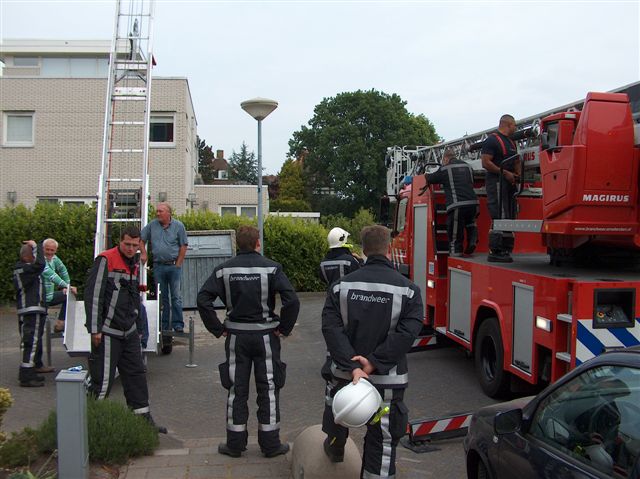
(95,296)
(106,363)
(340,263)
(346,292)
(387,449)
(31,309)
(245,274)
(141,410)
(232,376)
(251,326)
(591,342)
(118,332)
(273,424)
(391,379)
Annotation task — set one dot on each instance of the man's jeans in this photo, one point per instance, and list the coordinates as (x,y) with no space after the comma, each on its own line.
(59,298)
(168,276)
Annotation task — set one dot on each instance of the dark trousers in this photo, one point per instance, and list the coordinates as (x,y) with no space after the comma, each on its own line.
(381,439)
(460,220)
(126,355)
(59,298)
(499,191)
(262,351)
(31,329)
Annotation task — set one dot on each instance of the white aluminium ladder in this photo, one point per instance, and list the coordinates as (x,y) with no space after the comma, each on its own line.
(123,195)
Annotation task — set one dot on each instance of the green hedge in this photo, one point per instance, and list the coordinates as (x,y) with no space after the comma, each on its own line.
(296,244)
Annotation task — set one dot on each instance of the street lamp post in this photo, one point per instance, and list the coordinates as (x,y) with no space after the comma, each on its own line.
(259,108)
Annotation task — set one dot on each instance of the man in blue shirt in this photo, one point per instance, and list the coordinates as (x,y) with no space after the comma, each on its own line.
(168,239)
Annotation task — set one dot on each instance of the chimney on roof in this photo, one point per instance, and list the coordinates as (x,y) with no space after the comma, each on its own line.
(220,154)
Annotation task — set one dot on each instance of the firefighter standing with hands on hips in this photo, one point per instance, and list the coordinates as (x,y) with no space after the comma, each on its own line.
(370,319)
(247,284)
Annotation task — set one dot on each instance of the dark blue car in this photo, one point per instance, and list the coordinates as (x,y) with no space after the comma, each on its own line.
(586,425)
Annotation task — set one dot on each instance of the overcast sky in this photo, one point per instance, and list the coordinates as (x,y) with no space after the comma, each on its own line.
(462,64)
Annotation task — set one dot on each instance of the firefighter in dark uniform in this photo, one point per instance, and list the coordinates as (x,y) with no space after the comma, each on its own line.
(112,306)
(370,319)
(339,260)
(500,150)
(32,311)
(247,284)
(456,177)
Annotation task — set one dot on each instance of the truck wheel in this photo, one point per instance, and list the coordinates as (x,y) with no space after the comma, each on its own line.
(489,357)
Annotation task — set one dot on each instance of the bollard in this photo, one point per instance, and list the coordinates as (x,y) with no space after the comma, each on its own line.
(192,342)
(73,436)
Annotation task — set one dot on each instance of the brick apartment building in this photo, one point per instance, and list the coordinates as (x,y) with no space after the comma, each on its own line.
(52,103)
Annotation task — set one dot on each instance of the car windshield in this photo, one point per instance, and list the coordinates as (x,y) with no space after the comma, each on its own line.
(595,418)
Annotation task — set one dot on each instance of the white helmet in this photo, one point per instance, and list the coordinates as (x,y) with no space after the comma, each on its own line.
(355,404)
(337,237)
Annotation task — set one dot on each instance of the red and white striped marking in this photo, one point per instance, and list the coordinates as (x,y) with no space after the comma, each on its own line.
(428,427)
(424,341)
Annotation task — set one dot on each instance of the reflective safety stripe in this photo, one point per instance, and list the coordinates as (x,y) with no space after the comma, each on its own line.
(251,326)
(341,263)
(370,475)
(232,390)
(118,332)
(263,271)
(236,427)
(269,427)
(106,357)
(272,386)
(32,309)
(393,378)
(141,410)
(385,463)
(95,296)
(398,292)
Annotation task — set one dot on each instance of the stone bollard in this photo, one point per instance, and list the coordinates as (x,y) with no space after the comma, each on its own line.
(310,461)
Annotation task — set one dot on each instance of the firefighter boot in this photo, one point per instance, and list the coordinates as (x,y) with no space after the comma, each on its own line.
(223,448)
(29,379)
(472,239)
(149,419)
(497,253)
(283,448)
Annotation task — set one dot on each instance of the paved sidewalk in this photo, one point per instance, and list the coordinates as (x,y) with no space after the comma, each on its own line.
(199,458)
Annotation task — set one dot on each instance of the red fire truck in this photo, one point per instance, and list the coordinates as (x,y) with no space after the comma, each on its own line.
(573,289)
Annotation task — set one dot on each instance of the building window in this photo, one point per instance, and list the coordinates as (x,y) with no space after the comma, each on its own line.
(248,211)
(161,132)
(222,174)
(25,61)
(18,129)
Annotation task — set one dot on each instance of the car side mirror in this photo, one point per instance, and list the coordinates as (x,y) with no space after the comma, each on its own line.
(508,422)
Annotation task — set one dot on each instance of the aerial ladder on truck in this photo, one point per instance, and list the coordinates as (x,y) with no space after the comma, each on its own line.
(573,290)
(123,191)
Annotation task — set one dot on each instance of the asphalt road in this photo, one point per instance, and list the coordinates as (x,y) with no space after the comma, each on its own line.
(191,403)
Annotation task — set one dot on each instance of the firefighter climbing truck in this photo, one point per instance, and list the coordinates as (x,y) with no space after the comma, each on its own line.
(573,289)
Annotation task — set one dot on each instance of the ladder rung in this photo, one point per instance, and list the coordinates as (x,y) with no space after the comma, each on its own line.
(134,14)
(123,220)
(126,151)
(130,91)
(441,231)
(128,123)
(128,66)
(124,180)
(128,98)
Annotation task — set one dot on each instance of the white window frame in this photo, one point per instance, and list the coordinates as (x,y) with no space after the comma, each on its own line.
(87,200)
(5,125)
(239,209)
(162,144)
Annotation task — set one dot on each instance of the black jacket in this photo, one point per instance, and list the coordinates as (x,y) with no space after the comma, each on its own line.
(337,263)
(457,180)
(247,285)
(27,280)
(111,295)
(373,312)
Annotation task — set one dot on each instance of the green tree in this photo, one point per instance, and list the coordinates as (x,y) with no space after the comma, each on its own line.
(243,166)
(205,161)
(344,146)
(292,192)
